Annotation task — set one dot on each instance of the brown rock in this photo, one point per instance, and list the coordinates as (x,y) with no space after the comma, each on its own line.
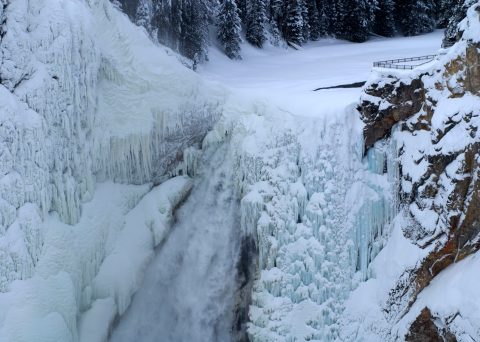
(405,100)
(423,329)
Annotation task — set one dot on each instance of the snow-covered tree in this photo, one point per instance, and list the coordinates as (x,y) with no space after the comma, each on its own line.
(458,14)
(337,17)
(275,17)
(294,22)
(144,14)
(242,9)
(184,25)
(323,19)
(314,20)
(385,18)
(445,11)
(356,21)
(416,16)
(194,40)
(256,22)
(162,21)
(229,28)
(305,20)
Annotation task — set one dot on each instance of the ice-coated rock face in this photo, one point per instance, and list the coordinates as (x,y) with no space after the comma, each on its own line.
(319,213)
(439,159)
(70,74)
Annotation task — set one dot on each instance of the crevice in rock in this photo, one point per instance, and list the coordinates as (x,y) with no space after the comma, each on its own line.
(247,268)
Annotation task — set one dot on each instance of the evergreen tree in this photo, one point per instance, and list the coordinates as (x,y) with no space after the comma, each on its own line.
(416,16)
(445,11)
(323,19)
(183,25)
(144,14)
(305,20)
(162,23)
(293,22)
(314,20)
(330,9)
(458,14)
(356,21)
(229,29)
(242,9)
(194,39)
(384,18)
(256,22)
(338,18)
(275,15)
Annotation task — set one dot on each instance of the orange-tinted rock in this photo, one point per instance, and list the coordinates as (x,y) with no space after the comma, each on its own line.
(423,329)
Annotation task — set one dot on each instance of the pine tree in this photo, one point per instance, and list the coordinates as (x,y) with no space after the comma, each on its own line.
(416,16)
(445,11)
(458,14)
(305,20)
(229,28)
(144,14)
(330,9)
(384,18)
(162,23)
(242,9)
(194,40)
(356,22)
(256,22)
(324,20)
(176,23)
(337,20)
(275,18)
(293,22)
(313,20)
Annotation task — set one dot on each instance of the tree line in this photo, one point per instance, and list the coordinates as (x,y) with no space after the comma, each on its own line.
(186,25)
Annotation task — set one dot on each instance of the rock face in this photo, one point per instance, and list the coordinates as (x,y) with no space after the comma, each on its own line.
(424,329)
(436,115)
(404,100)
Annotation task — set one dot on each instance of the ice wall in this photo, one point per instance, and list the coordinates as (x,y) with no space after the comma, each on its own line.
(84,97)
(319,211)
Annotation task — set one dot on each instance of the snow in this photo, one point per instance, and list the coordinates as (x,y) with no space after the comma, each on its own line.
(70,125)
(280,163)
(79,263)
(287,77)
(458,290)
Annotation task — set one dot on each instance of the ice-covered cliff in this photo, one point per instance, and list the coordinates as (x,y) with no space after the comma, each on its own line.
(86,98)
(349,220)
(424,288)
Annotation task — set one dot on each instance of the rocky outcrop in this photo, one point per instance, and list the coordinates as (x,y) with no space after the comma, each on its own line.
(403,100)
(437,115)
(424,329)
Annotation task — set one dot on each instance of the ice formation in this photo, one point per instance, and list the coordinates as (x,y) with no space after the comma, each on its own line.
(72,73)
(81,159)
(319,215)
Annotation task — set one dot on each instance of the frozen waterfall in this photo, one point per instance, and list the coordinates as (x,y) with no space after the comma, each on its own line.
(189,289)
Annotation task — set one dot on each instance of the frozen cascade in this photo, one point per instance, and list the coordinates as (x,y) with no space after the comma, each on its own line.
(320,212)
(189,290)
(71,71)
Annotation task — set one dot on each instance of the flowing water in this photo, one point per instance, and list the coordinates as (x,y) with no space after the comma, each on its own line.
(190,287)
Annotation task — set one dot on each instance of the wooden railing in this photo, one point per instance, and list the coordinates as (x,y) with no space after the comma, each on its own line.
(395,63)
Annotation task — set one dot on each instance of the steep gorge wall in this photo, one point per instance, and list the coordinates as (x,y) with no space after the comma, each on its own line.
(436,115)
(71,75)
